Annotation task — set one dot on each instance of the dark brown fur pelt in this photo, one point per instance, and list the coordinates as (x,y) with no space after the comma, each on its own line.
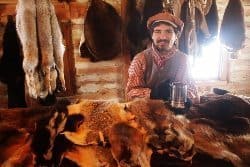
(226,113)
(212,18)
(134,28)
(11,71)
(188,38)
(232,32)
(102,31)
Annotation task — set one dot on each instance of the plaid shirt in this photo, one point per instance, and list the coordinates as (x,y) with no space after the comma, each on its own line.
(136,86)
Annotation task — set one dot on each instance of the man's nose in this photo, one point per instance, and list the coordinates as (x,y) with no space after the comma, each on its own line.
(163,35)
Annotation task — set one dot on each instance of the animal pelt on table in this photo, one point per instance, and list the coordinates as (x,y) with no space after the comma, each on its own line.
(27,134)
(131,130)
(232,31)
(221,128)
(43,50)
(105,133)
(228,113)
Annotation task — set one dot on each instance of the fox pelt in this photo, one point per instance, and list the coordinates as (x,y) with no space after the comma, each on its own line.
(42,45)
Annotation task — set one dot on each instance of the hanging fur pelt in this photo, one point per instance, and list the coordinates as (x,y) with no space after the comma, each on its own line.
(212,18)
(188,39)
(102,31)
(26,28)
(134,28)
(232,32)
(11,71)
(43,50)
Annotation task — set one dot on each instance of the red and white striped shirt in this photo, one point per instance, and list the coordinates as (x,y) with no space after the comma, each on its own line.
(136,85)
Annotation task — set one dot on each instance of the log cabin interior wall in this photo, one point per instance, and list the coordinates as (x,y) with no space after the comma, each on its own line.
(107,79)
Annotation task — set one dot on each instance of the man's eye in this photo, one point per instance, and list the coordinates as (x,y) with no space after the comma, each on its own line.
(157,31)
(163,31)
(169,31)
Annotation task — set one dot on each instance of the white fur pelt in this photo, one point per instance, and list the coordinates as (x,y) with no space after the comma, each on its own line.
(41,39)
(26,28)
(59,48)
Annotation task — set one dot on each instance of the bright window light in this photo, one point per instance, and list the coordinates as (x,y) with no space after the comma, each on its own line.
(206,65)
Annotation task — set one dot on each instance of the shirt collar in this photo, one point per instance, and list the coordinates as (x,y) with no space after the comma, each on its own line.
(160,58)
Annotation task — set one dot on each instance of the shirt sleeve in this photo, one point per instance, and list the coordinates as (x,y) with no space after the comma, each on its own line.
(136,87)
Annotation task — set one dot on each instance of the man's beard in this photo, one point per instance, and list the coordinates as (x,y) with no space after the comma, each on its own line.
(162,45)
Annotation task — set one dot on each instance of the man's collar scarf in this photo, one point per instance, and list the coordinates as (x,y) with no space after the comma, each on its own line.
(161,58)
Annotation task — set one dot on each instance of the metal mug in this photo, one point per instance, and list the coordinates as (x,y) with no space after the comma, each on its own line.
(178,95)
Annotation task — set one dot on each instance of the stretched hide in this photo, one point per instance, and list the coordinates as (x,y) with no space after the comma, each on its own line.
(188,39)
(43,49)
(11,71)
(134,28)
(51,47)
(27,32)
(58,48)
(102,31)
(44,33)
(202,31)
(232,32)
(212,18)
(195,27)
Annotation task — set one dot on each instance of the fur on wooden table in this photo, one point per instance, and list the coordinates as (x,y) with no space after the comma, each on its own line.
(140,133)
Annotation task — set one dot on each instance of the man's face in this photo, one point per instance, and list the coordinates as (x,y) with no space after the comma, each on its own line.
(163,37)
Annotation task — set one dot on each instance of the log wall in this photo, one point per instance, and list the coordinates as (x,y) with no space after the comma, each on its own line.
(107,79)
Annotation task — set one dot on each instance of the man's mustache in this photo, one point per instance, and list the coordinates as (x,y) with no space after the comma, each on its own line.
(163,40)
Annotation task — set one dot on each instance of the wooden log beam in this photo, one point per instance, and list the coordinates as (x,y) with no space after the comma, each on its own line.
(64,11)
(15,1)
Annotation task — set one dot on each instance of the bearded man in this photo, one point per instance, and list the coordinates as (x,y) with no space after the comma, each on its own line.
(154,69)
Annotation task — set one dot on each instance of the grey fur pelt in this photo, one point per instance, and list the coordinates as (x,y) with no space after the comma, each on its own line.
(43,50)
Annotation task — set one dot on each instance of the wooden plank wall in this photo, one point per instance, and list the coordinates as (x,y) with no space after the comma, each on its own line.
(107,79)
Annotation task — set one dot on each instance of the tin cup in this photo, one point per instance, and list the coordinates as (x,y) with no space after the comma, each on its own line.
(178,95)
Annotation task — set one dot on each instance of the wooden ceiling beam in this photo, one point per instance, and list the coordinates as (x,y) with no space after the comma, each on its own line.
(64,11)
(15,1)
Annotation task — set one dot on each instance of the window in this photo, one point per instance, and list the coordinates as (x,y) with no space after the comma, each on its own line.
(208,65)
